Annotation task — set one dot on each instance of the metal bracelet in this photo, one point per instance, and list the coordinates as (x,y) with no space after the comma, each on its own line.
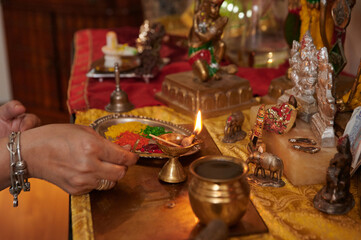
(18,170)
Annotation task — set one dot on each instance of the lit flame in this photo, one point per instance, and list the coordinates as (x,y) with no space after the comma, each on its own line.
(198,125)
(196,220)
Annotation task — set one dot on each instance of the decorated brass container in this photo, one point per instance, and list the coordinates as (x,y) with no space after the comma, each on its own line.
(219,189)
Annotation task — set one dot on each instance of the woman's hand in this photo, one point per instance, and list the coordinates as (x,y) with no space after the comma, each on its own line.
(73,157)
(14,118)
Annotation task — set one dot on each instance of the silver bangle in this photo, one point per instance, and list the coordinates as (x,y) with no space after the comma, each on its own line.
(18,171)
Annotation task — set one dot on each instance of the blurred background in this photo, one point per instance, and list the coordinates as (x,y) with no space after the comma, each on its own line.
(254,29)
(36,40)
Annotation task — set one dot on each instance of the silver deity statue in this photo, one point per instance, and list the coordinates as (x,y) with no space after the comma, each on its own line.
(303,63)
(322,121)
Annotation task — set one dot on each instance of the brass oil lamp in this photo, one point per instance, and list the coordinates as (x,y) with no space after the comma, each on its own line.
(174,145)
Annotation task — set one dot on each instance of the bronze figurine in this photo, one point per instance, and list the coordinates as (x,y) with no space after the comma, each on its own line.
(213,89)
(266,161)
(233,130)
(335,197)
(206,48)
(148,45)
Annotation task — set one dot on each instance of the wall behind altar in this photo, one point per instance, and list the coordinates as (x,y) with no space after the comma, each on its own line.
(353,40)
(5,90)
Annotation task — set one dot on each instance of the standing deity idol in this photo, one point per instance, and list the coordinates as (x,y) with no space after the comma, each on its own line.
(322,121)
(209,87)
(206,48)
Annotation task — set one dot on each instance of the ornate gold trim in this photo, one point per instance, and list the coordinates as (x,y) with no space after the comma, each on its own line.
(81,216)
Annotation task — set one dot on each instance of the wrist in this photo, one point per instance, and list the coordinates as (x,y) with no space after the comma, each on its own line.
(31,152)
(4,164)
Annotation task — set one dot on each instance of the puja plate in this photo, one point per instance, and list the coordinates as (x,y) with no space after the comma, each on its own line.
(102,124)
(97,70)
(128,63)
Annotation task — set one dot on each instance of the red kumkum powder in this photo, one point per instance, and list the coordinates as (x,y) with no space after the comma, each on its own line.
(127,137)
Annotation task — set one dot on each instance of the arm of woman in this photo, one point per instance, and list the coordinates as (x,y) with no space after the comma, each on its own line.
(72,157)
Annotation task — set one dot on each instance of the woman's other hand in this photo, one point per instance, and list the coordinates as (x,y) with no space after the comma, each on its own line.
(14,118)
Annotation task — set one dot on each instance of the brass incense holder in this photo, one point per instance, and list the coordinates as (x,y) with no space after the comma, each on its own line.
(219,189)
(173,171)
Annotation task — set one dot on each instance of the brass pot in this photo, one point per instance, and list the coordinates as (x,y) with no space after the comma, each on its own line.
(218,189)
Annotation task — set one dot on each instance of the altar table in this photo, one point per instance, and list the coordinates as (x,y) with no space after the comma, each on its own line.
(288,212)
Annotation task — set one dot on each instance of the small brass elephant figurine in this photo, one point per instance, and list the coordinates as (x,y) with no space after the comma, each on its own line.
(233,130)
(267,161)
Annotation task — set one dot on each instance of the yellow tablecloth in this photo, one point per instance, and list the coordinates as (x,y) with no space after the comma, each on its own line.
(288,211)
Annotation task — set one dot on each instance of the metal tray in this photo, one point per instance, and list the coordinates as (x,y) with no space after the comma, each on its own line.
(101,126)
(124,72)
(95,74)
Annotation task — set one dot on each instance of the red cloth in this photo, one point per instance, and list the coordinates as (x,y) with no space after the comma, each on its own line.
(85,93)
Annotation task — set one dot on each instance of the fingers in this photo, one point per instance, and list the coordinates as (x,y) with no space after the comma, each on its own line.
(111,171)
(114,160)
(11,110)
(14,112)
(112,153)
(25,122)
(29,121)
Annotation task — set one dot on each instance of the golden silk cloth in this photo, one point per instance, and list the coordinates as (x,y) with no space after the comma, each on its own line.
(288,211)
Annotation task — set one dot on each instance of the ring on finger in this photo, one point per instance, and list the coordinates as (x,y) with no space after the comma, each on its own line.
(105,184)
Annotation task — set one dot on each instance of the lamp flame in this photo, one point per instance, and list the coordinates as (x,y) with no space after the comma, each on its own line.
(197,130)
(198,124)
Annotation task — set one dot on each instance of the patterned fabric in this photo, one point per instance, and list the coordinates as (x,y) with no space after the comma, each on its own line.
(288,211)
(259,124)
(280,118)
